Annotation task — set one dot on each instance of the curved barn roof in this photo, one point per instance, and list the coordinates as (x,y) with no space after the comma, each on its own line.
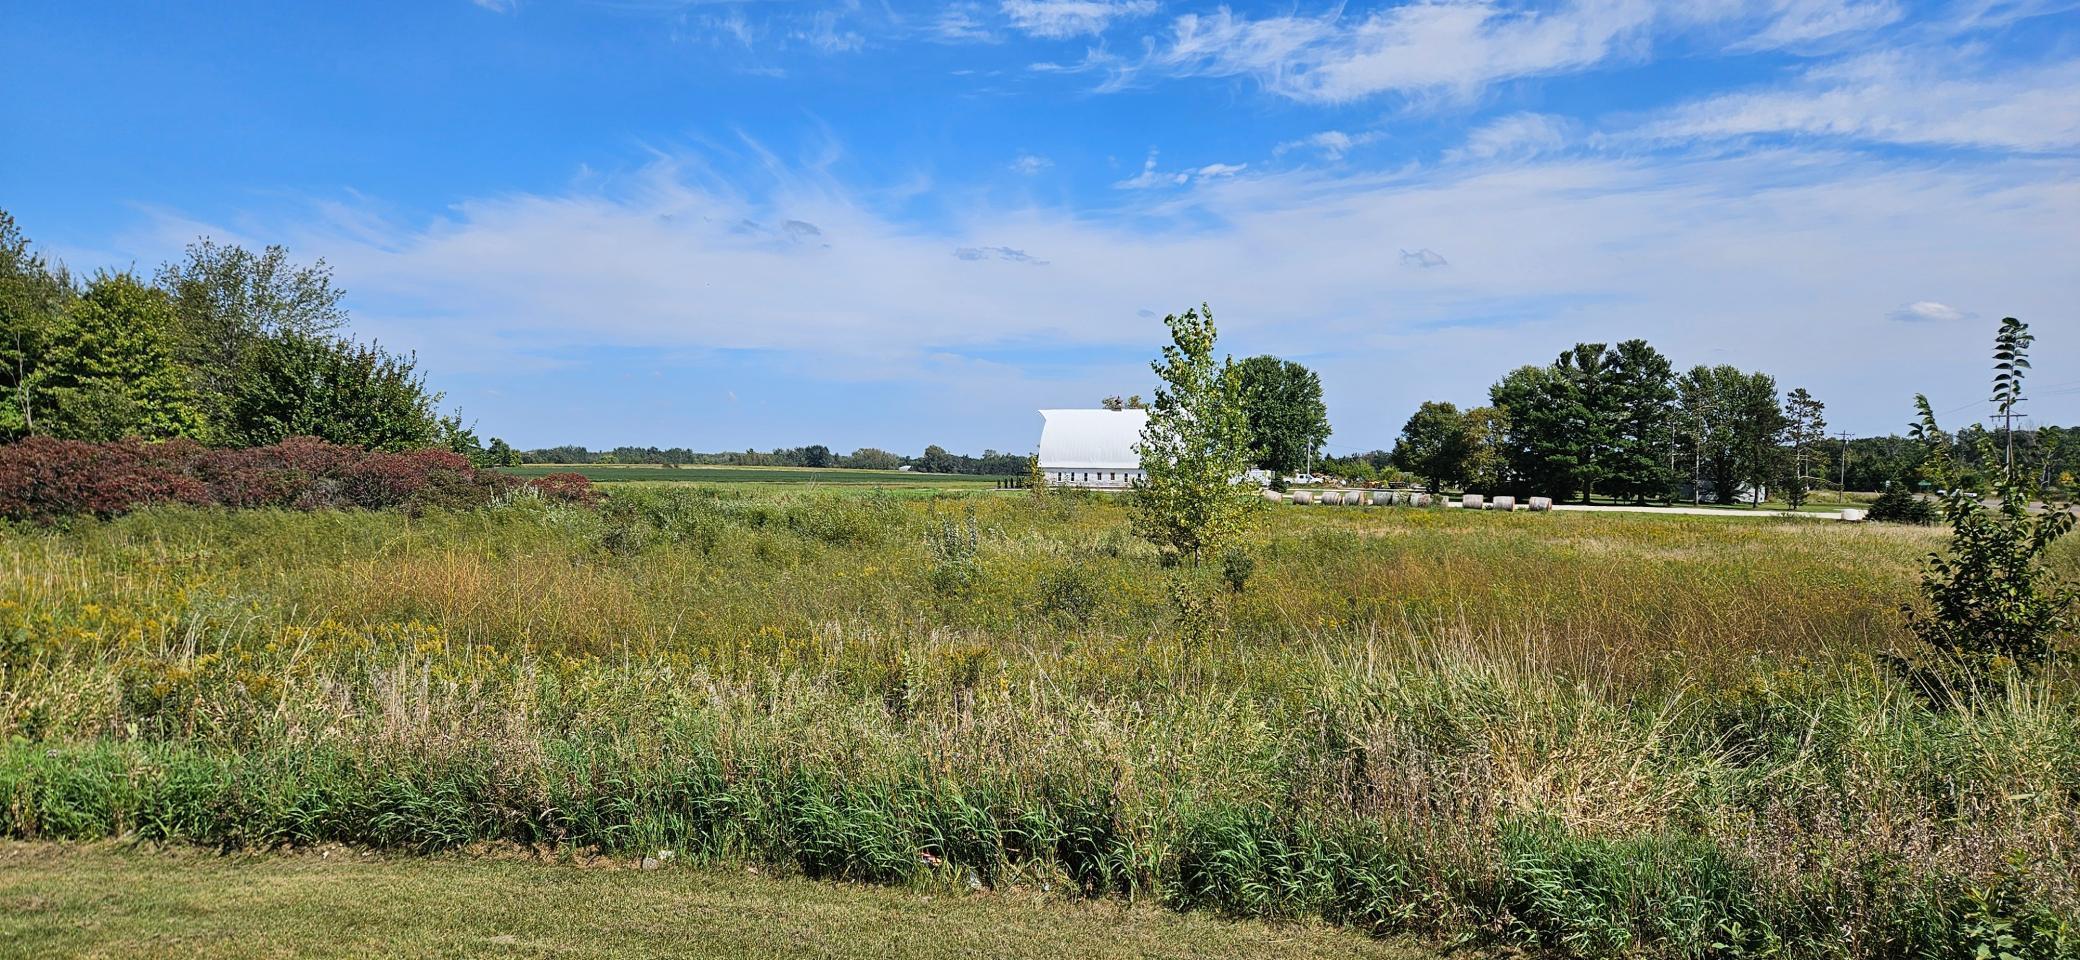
(1091,439)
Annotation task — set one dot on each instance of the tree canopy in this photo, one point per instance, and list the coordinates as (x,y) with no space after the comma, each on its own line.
(1436,444)
(227,346)
(1287,421)
(109,369)
(1196,445)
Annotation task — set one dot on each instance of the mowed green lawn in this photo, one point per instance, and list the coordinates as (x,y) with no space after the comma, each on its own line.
(835,476)
(107,901)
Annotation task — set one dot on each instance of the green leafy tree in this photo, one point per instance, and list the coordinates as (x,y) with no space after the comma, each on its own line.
(1990,605)
(1878,463)
(1563,421)
(1534,402)
(936,459)
(109,370)
(1590,405)
(1487,464)
(33,299)
(1195,446)
(451,433)
(1804,430)
(1437,445)
(1701,427)
(1642,434)
(1731,422)
(501,454)
(1758,425)
(294,384)
(230,300)
(872,458)
(1287,421)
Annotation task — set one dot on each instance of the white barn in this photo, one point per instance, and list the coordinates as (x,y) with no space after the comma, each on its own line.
(1091,448)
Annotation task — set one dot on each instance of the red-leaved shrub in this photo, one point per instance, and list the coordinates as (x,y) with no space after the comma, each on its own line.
(566,488)
(43,479)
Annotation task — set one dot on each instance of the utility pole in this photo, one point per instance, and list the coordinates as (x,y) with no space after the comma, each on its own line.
(2011,359)
(1841,489)
(2007,416)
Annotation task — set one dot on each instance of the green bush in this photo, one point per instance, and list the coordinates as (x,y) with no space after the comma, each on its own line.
(1896,505)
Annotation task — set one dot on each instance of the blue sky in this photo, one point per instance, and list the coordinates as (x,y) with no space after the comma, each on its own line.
(721,225)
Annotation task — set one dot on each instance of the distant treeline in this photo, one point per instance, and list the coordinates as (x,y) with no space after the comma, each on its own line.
(935,459)
(1621,422)
(2051,453)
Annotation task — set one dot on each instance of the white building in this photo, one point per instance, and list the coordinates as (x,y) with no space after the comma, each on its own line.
(1091,448)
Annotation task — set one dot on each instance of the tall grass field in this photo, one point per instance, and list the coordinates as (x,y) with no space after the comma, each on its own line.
(1581,735)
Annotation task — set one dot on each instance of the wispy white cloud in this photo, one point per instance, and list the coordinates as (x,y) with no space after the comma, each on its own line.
(1332,144)
(497,6)
(1452,45)
(1459,47)
(1151,177)
(962,23)
(734,26)
(1516,135)
(1984,14)
(997,253)
(1058,19)
(1930,311)
(1900,97)
(1030,164)
(825,33)
(1797,22)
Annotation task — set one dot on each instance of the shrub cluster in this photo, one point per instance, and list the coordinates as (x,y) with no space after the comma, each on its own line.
(42,479)
(1896,505)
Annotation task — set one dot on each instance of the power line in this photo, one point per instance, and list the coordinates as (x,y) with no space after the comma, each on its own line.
(1842,487)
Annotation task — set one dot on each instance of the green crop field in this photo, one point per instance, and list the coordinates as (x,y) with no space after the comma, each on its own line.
(653,473)
(1564,734)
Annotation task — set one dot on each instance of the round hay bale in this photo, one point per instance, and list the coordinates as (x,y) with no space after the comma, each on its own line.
(1418,499)
(1541,504)
(1471,501)
(1381,498)
(1504,504)
(1854,515)
(1274,496)
(1302,498)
